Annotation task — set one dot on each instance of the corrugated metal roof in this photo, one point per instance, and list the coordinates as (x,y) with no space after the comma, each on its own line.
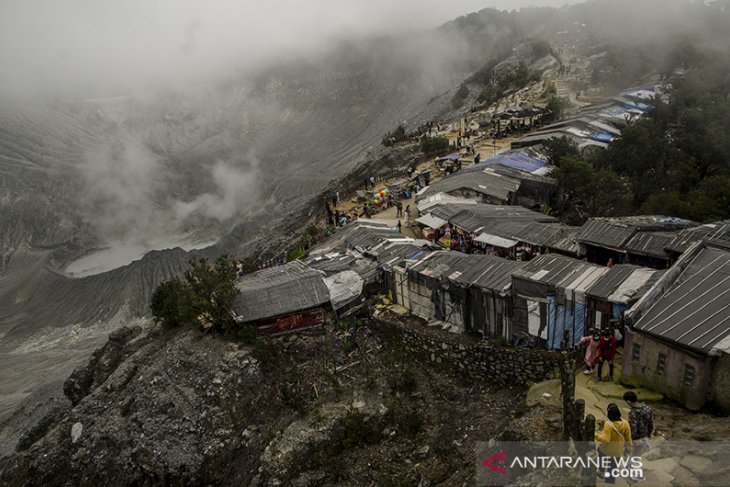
(496,241)
(526,161)
(395,254)
(606,233)
(489,272)
(483,271)
(711,231)
(614,233)
(566,241)
(538,233)
(651,244)
(360,233)
(553,269)
(431,221)
(484,182)
(427,202)
(695,309)
(280,290)
(623,283)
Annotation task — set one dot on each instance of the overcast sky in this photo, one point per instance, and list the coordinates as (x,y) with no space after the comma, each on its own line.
(74,45)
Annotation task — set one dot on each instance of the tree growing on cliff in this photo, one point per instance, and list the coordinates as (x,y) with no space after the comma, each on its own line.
(205,297)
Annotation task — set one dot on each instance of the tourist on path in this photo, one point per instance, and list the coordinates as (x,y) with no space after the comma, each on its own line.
(591,352)
(641,421)
(615,440)
(408,215)
(607,347)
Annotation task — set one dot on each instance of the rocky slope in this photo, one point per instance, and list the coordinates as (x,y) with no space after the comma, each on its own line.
(184,407)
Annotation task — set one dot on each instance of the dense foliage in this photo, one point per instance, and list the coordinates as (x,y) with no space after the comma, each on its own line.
(205,296)
(432,146)
(676,161)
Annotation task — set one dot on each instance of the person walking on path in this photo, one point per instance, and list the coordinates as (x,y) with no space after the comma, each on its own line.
(641,421)
(399,210)
(337,197)
(337,218)
(399,226)
(615,440)
(591,352)
(607,347)
(408,215)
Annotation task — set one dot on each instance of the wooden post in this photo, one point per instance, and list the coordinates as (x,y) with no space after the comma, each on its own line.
(579,410)
(565,342)
(567,391)
(588,475)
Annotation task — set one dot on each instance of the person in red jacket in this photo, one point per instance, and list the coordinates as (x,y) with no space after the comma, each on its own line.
(607,347)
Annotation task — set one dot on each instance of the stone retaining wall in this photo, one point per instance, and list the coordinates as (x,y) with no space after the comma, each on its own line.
(477,358)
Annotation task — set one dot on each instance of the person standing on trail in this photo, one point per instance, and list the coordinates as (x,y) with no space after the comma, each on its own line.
(399,226)
(591,352)
(343,220)
(334,199)
(408,215)
(337,218)
(477,158)
(607,347)
(641,421)
(399,209)
(615,441)
(337,197)
(372,181)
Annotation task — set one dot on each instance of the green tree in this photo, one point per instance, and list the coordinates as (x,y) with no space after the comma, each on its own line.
(559,147)
(556,106)
(434,145)
(171,303)
(205,297)
(213,289)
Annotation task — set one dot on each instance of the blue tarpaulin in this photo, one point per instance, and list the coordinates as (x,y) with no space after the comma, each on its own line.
(451,157)
(616,309)
(580,322)
(514,159)
(561,318)
(603,137)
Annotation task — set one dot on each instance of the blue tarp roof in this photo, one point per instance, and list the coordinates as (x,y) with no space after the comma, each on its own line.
(398,183)
(603,137)
(450,157)
(514,159)
(639,106)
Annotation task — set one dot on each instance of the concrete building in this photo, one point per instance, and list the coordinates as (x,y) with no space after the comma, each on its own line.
(678,338)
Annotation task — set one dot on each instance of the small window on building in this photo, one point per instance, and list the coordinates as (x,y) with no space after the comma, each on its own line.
(661,364)
(689,375)
(636,352)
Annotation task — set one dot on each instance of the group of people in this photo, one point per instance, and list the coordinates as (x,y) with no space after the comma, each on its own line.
(602,348)
(620,437)
(339,218)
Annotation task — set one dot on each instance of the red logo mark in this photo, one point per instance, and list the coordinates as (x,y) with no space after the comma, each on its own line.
(500,456)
